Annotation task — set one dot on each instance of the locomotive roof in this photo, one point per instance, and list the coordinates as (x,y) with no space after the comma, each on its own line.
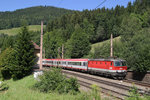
(110,59)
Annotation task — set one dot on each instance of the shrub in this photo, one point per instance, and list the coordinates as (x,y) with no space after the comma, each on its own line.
(53,80)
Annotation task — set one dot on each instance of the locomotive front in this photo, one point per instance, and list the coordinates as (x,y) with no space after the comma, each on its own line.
(119,68)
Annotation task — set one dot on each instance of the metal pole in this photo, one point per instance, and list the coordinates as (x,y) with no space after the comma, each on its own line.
(111,46)
(41,46)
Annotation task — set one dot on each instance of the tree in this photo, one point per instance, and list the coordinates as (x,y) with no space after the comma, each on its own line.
(89,30)
(7,59)
(78,45)
(138,52)
(50,44)
(52,41)
(129,27)
(24,55)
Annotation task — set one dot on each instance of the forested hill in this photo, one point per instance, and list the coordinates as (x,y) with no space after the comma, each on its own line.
(33,16)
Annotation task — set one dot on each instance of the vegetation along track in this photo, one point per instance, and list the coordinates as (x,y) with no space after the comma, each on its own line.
(117,86)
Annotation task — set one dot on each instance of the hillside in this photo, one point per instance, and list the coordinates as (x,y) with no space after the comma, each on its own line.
(99,44)
(32,16)
(14,31)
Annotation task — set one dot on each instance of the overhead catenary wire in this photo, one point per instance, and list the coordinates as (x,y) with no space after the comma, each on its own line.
(101,4)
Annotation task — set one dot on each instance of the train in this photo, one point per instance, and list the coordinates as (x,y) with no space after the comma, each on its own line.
(111,67)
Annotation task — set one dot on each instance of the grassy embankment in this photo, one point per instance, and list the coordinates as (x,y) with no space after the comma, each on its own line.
(99,44)
(15,31)
(21,90)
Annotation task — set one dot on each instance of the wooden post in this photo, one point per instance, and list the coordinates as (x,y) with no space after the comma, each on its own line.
(111,46)
(41,46)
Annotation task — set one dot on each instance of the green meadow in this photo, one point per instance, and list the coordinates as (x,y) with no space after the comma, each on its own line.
(14,31)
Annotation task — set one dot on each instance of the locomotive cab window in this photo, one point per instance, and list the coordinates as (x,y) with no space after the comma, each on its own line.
(117,63)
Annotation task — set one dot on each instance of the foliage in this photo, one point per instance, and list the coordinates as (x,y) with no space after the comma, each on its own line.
(98,24)
(78,46)
(52,42)
(35,36)
(7,59)
(138,51)
(53,80)
(30,15)
(6,41)
(129,27)
(134,95)
(24,55)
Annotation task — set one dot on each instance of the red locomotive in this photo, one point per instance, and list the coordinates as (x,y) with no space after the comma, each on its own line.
(115,68)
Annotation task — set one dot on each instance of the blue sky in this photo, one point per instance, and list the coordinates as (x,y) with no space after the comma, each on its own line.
(11,5)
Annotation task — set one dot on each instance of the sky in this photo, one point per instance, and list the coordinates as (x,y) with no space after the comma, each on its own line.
(11,5)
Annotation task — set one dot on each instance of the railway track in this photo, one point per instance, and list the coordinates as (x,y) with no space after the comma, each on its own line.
(116,90)
(106,90)
(116,94)
(137,82)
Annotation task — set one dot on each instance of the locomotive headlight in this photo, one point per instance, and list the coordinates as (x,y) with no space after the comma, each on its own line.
(110,68)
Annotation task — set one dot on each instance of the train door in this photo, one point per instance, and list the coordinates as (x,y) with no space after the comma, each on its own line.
(107,65)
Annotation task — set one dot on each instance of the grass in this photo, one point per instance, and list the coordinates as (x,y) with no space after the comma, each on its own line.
(15,31)
(21,90)
(99,44)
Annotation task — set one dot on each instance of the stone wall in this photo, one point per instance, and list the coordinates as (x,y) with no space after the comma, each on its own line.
(144,77)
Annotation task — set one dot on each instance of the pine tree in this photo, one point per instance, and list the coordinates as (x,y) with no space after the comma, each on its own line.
(24,55)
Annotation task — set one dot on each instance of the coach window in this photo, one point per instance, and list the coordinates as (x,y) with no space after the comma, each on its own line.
(64,62)
(84,64)
(69,63)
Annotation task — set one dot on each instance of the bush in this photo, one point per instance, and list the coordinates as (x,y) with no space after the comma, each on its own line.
(53,80)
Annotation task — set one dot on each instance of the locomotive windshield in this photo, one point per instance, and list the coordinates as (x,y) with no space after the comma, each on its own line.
(119,63)
(123,63)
